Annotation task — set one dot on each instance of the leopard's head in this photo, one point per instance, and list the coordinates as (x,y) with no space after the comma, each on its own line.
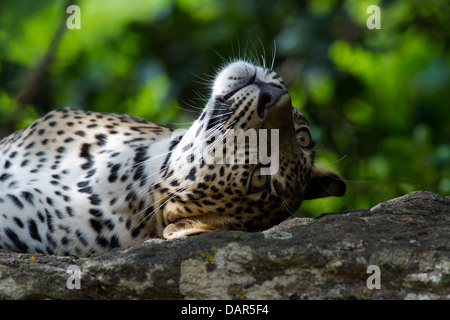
(246,163)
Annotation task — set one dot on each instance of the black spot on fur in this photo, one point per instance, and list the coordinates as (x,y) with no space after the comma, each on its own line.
(191,175)
(101,240)
(114,243)
(87,190)
(96,225)
(33,230)
(113,173)
(5,177)
(85,153)
(95,199)
(136,231)
(19,244)
(101,139)
(81,237)
(15,200)
(96,212)
(18,222)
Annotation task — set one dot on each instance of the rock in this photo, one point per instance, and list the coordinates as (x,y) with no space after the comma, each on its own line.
(407,239)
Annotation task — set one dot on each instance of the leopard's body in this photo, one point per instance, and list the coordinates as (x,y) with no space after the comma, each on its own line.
(76,182)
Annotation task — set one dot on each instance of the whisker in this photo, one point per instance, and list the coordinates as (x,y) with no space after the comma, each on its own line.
(191,104)
(212,133)
(205,80)
(156,209)
(274,53)
(146,160)
(219,55)
(151,214)
(263,56)
(338,160)
(222,114)
(181,123)
(291,211)
(162,199)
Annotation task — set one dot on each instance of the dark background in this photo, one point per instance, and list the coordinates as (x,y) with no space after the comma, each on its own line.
(378,100)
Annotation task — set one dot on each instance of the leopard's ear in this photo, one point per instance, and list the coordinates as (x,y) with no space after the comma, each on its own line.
(324,183)
(185,227)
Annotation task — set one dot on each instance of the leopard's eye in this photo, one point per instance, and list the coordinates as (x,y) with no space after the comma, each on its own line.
(258,181)
(304,138)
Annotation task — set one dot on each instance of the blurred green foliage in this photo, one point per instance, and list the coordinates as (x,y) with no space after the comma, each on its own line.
(377,100)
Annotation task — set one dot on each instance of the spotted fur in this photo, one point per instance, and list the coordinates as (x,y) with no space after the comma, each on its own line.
(77,183)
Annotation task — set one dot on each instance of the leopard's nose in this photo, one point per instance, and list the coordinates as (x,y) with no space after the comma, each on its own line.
(269,95)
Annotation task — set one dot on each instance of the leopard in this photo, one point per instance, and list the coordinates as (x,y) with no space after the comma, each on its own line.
(78,183)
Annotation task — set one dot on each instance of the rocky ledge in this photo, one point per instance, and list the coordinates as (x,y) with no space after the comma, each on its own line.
(399,249)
